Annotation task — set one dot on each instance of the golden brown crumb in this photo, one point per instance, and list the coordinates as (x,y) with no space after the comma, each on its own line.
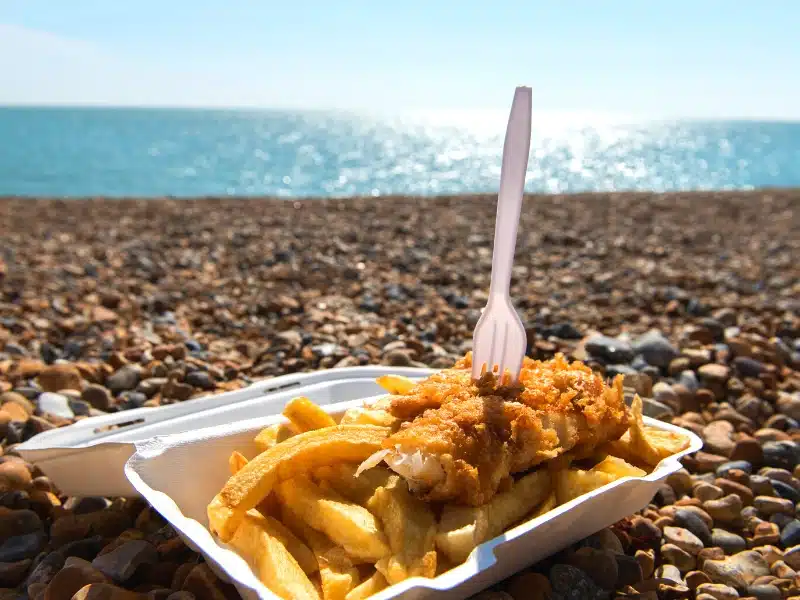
(481,432)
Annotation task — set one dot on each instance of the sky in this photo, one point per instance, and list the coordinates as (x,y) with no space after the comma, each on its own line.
(677,58)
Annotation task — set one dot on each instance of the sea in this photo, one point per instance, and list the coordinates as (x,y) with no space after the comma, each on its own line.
(122,152)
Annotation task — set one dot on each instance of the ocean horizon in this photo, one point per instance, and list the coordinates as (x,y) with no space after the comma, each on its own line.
(188,152)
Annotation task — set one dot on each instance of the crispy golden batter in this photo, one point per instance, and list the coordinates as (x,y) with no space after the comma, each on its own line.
(466,438)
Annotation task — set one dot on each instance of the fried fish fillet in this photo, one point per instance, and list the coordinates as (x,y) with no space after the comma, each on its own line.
(465,439)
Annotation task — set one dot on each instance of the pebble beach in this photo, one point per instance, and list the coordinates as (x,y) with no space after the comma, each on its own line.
(112,304)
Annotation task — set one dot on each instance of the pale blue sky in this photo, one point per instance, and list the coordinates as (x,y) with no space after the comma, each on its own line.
(691,58)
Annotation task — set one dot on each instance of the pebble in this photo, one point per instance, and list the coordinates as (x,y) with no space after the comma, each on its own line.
(692,522)
(121,563)
(98,396)
(673,555)
(694,579)
(646,560)
(728,541)
(106,591)
(784,490)
(683,539)
(769,505)
(738,570)
(726,509)
(76,574)
(655,349)
(765,534)
(783,454)
(748,450)
(600,565)
(707,491)
(55,404)
(612,350)
(718,591)
(528,585)
(714,373)
(12,573)
(764,591)
(200,379)
(717,437)
(740,465)
(792,557)
(790,535)
(54,378)
(125,379)
(14,476)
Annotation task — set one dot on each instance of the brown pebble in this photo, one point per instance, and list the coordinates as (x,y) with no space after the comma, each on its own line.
(673,555)
(717,591)
(725,509)
(704,462)
(60,377)
(105,591)
(706,491)
(748,449)
(776,473)
(202,582)
(181,574)
(732,487)
(695,578)
(713,553)
(647,561)
(769,434)
(644,529)
(19,400)
(69,528)
(14,475)
(529,585)
(765,534)
(76,574)
(680,481)
(662,522)
(781,570)
(686,501)
(15,412)
(768,505)
(12,573)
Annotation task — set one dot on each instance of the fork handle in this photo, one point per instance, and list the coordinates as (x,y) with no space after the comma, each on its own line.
(516,148)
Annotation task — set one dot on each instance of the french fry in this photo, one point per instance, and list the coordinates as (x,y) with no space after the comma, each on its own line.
(349,525)
(341,478)
(545,507)
(614,465)
(369,416)
(299,454)
(305,415)
(646,444)
(410,527)
(337,573)
(302,553)
(571,483)
(274,434)
(368,588)
(462,528)
(272,563)
(236,462)
(396,384)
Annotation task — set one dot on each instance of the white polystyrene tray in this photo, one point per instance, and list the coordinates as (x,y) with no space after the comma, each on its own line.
(87,459)
(180,474)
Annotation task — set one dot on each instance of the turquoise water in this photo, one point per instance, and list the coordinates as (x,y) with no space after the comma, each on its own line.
(154,152)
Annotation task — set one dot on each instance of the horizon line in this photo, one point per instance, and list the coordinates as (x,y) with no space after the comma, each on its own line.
(398,111)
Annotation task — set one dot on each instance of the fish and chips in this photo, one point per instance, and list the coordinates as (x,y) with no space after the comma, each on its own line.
(340,509)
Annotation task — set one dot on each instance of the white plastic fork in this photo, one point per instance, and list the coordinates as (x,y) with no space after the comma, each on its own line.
(499,340)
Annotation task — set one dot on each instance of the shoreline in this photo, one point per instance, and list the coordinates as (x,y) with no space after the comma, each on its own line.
(113,304)
(716,193)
